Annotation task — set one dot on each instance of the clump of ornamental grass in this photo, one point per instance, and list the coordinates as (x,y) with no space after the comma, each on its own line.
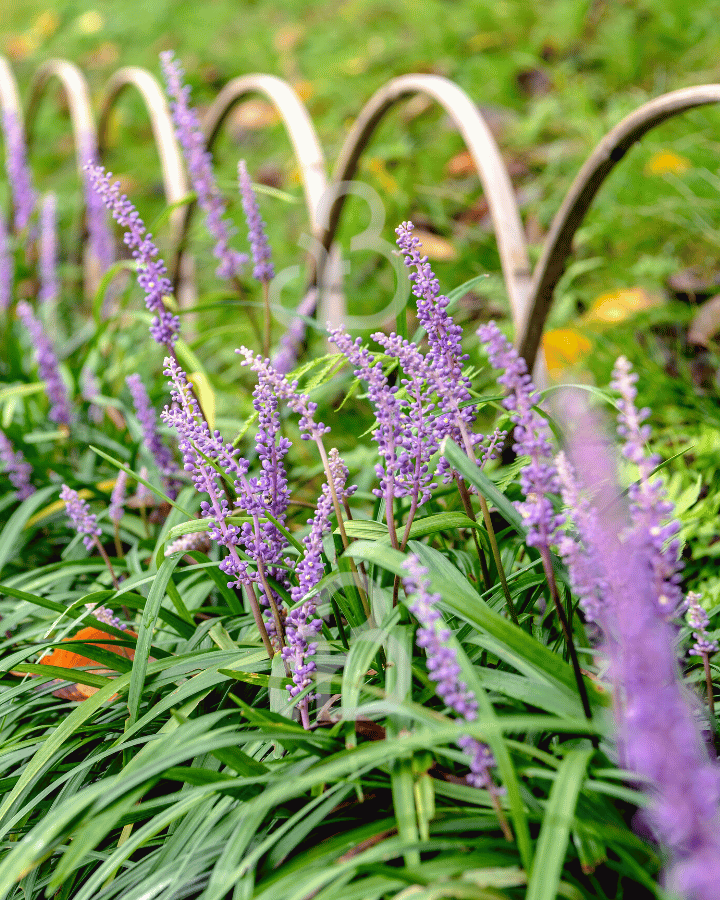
(326,690)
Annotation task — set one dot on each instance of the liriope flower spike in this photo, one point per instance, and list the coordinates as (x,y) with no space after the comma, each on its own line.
(658,734)
(78,511)
(151,437)
(18,171)
(650,510)
(7,266)
(301,628)
(199,165)
(443,668)
(49,283)
(261,254)
(100,237)
(17,467)
(539,479)
(48,366)
(152,272)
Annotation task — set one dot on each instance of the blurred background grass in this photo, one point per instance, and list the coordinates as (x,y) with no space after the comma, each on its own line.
(552,78)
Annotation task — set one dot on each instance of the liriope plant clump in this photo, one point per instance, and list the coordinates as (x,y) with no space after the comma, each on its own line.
(319,660)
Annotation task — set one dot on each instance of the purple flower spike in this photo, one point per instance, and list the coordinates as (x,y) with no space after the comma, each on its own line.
(7,266)
(292,340)
(196,442)
(78,511)
(152,273)
(444,669)
(649,507)
(18,171)
(151,437)
(262,255)
(103,614)
(49,284)
(300,627)
(445,355)
(48,366)
(100,236)
(116,509)
(532,438)
(288,391)
(18,468)
(657,729)
(699,621)
(199,165)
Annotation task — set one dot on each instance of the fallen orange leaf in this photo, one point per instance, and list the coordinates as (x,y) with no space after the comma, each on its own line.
(563,347)
(70,659)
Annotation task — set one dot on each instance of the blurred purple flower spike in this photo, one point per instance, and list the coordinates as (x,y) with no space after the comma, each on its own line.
(199,166)
(658,733)
(18,171)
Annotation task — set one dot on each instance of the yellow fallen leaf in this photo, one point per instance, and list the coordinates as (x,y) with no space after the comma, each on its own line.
(253,115)
(90,22)
(434,246)
(46,23)
(616,306)
(666,162)
(205,395)
(563,347)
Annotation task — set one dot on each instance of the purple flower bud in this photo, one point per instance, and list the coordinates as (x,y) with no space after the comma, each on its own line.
(17,468)
(103,614)
(152,272)
(18,171)
(48,366)
(78,511)
(199,166)
(261,253)
(292,340)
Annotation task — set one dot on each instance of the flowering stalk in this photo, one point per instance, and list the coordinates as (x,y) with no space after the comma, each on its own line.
(310,430)
(18,171)
(85,523)
(264,270)
(443,668)
(48,366)
(18,468)
(7,266)
(699,620)
(100,238)
(117,506)
(657,730)
(49,284)
(151,437)
(649,507)
(292,340)
(151,270)
(539,479)
(301,626)
(197,446)
(199,166)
